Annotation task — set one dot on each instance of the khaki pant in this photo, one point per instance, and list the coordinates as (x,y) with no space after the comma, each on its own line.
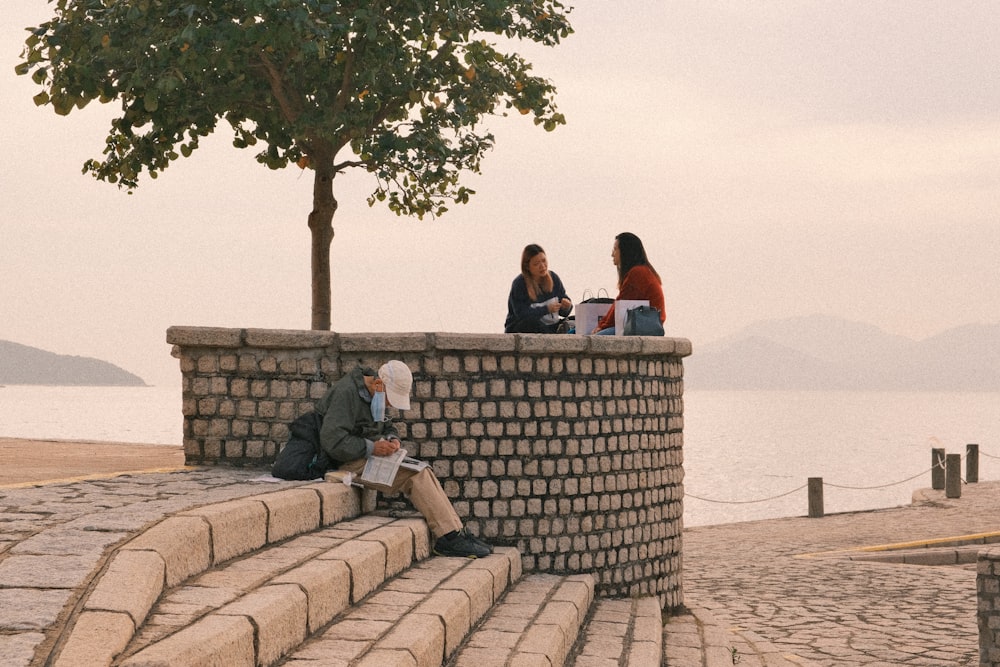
(423,490)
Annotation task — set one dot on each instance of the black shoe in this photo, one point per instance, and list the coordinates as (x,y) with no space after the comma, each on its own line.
(478,541)
(462,545)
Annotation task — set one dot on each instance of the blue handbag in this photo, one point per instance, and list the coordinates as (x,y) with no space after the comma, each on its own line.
(643,321)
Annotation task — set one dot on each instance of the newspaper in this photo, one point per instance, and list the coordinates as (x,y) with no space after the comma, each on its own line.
(382,469)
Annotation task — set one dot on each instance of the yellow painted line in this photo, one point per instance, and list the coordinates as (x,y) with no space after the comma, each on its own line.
(975,538)
(85,478)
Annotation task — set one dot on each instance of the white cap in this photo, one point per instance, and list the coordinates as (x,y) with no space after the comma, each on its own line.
(397,379)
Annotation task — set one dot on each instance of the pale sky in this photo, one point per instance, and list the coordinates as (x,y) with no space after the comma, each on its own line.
(777,159)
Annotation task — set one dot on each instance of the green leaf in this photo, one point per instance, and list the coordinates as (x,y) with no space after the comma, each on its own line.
(277,72)
(62,105)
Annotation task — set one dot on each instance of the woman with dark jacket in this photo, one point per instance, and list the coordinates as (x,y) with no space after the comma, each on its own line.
(537,297)
(637,279)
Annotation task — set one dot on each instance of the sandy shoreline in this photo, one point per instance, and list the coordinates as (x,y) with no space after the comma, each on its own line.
(27,462)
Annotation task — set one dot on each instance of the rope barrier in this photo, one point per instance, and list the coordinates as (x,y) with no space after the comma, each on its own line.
(882,486)
(744,502)
(940,464)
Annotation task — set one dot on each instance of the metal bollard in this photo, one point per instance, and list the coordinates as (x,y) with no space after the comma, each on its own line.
(971,464)
(937,468)
(953,476)
(815,497)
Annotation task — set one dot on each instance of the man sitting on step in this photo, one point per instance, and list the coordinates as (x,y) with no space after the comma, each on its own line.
(355,427)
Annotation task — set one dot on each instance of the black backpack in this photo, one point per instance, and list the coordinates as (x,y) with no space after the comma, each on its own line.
(302,457)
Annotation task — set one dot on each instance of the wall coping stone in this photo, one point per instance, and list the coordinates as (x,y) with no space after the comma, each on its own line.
(280,338)
(194,336)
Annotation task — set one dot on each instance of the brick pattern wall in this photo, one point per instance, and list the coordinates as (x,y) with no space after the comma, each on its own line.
(988,614)
(568,447)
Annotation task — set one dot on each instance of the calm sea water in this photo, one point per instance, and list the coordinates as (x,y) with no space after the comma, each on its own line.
(145,415)
(742,450)
(747,455)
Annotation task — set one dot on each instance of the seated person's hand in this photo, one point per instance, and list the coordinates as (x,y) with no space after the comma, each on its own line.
(385,447)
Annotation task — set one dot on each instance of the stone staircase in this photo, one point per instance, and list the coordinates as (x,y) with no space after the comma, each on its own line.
(305,577)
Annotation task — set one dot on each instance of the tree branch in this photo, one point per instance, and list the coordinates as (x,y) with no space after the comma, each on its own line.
(339,167)
(289,109)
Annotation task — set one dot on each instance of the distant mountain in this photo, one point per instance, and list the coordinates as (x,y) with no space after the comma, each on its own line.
(821,352)
(21,364)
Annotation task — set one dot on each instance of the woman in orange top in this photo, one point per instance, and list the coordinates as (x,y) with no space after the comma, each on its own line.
(637,279)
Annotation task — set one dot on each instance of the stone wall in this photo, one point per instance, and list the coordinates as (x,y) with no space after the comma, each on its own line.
(568,447)
(988,614)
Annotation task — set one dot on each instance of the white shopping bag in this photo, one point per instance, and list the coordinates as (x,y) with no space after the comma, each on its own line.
(587,315)
(621,309)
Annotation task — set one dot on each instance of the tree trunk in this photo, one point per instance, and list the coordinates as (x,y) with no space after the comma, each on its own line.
(321,226)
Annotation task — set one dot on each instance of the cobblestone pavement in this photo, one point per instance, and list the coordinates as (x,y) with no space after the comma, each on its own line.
(53,538)
(772,578)
(767,584)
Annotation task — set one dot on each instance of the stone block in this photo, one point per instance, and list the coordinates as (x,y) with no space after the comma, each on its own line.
(369,500)
(388,658)
(452,608)
(131,584)
(421,537)
(238,527)
(208,365)
(290,338)
(279,612)
(328,589)
(290,512)
(477,586)
(204,337)
(420,634)
(97,638)
(364,560)
(398,544)
(389,343)
(213,640)
(612,346)
(541,344)
(483,342)
(339,501)
(541,640)
(648,626)
(182,542)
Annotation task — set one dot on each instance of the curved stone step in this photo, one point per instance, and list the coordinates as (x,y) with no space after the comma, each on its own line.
(535,624)
(182,546)
(417,619)
(621,632)
(257,609)
(300,577)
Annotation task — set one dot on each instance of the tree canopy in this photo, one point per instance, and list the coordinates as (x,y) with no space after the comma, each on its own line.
(396,87)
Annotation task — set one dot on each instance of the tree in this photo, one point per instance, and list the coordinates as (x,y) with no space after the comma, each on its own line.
(397,87)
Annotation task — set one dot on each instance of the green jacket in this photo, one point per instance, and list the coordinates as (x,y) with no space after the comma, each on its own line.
(348,430)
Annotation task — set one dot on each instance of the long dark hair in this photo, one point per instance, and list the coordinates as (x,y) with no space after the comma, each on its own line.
(630,255)
(535,287)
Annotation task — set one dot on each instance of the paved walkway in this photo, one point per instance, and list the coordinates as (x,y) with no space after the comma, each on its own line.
(26,461)
(804,586)
(779,592)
